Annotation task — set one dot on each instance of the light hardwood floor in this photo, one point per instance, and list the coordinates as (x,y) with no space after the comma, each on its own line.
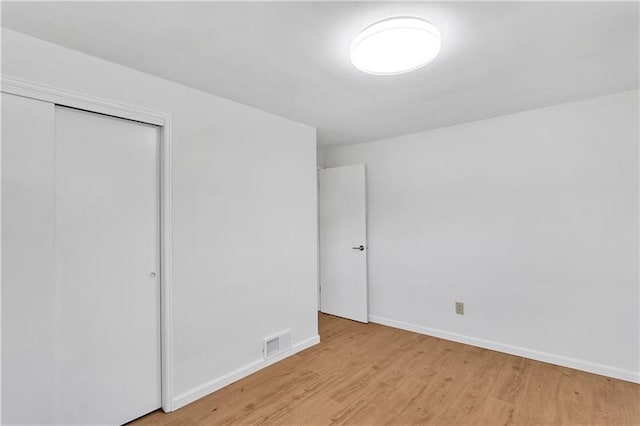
(368,374)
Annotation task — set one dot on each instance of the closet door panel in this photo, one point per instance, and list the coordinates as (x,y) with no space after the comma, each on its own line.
(107,268)
(28,287)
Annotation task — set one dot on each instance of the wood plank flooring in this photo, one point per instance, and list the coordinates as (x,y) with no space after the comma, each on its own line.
(369,374)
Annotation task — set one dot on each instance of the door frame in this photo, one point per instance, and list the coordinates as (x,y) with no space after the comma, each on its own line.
(81,101)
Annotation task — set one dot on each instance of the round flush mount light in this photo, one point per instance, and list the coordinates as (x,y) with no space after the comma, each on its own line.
(395,46)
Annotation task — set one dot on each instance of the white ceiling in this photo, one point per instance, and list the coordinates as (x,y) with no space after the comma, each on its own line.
(292,59)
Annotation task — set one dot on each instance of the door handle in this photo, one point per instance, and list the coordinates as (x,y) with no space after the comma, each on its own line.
(361,248)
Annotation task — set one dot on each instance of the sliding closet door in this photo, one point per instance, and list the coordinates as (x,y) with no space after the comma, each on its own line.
(28,288)
(107,367)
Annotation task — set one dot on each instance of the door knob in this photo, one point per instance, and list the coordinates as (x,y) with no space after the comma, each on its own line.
(358,248)
(152,274)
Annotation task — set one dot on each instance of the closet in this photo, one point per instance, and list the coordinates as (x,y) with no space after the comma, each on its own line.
(81,265)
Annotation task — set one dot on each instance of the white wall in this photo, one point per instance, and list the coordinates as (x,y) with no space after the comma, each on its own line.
(530,219)
(244,214)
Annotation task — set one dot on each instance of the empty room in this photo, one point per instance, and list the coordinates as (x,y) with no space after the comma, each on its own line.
(320,212)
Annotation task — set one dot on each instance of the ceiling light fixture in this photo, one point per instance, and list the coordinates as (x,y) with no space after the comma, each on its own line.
(395,46)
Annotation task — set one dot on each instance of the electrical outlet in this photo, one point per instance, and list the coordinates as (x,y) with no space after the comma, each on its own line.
(460,308)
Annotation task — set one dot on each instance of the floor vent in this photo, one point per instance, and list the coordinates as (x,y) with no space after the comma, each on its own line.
(276,344)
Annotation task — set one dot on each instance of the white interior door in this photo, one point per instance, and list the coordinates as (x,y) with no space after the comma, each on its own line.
(343,242)
(107,362)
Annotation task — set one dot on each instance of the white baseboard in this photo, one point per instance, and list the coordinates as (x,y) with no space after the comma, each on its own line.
(220,382)
(604,370)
